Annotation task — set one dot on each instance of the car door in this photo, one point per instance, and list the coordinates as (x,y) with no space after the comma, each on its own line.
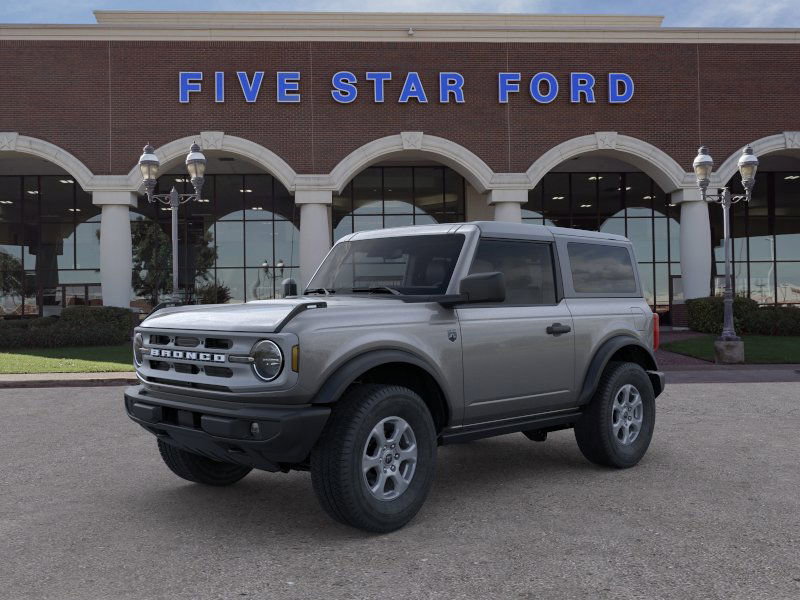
(518,355)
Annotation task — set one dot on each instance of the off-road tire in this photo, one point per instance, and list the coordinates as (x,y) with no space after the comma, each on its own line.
(199,469)
(336,460)
(594,431)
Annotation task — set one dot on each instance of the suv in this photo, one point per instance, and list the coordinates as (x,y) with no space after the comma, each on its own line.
(406,339)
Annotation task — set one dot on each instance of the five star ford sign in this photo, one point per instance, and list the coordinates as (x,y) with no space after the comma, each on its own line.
(543,87)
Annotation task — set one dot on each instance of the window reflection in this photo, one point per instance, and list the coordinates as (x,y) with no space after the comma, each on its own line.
(49,242)
(381,197)
(230,245)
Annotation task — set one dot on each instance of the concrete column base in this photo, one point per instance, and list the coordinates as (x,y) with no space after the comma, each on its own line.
(695,243)
(728,353)
(508,204)
(116,253)
(315,231)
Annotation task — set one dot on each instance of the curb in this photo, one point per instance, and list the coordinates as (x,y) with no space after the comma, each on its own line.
(50,382)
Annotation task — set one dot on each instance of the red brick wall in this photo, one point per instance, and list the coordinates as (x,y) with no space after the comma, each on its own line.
(102,101)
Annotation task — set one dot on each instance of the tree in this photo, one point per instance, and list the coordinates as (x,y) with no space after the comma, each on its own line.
(152,260)
(12,279)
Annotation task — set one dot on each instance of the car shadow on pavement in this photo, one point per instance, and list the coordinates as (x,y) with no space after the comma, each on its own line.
(269,504)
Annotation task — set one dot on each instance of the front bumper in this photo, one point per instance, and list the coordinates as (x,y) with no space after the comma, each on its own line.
(285,434)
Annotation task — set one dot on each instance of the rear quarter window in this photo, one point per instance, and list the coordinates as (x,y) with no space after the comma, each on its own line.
(601,269)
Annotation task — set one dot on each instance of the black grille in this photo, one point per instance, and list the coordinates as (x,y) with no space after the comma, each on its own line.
(187,342)
(218,343)
(218,372)
(161,340)
(184,368)
(159,365)
(189,384)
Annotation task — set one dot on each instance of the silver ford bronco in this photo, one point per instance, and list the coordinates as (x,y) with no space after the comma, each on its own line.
(406,339)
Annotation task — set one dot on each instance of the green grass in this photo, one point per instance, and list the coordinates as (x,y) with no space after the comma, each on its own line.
(758,349)
(90,359)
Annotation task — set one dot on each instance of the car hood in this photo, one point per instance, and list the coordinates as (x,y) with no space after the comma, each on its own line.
(261,316)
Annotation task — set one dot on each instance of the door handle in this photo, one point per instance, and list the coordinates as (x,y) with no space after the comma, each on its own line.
(558,329)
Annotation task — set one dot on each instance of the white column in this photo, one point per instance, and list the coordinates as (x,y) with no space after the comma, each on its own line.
(315,230)
(695,243)
(508,204)
(115,246)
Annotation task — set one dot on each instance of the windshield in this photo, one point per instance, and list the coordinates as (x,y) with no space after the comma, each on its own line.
(409,264)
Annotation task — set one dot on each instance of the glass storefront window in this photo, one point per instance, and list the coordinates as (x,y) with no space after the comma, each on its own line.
(788,278)
(231,245)
(381,197)
(49,239)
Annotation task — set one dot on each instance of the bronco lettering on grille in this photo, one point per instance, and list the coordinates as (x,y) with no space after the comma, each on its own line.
(182,354)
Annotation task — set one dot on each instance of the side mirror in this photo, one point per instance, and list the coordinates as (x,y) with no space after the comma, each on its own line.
(289,287)
(483,287)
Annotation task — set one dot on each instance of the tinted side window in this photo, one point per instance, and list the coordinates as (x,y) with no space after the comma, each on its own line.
(601,269)
(526,266)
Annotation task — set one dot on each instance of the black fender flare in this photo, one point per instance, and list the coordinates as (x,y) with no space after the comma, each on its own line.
(348,372)
(603,356)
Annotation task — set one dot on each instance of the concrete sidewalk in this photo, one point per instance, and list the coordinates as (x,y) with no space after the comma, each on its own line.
(46,380)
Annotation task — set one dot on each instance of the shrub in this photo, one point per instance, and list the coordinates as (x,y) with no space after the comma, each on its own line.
(77,326)
(213,293)
(706,314)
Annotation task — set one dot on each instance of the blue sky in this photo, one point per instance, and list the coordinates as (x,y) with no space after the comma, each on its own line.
(678,13)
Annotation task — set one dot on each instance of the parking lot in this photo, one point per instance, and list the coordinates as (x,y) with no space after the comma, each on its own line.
(87,510)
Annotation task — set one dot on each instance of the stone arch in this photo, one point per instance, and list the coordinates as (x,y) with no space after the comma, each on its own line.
(218,140)
(656,163)
(781,142)
(444,151)
(11,141)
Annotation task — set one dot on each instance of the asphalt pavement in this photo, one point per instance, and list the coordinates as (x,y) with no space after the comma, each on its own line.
(87,510)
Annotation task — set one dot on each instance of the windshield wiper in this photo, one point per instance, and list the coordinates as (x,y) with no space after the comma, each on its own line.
(378,289)
(320,290)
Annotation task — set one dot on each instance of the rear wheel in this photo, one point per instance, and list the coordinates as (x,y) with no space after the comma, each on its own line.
(375,461)
(617,426)
(199,469)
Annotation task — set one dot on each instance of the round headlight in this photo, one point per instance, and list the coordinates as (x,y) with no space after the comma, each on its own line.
(138,342)
(268,360)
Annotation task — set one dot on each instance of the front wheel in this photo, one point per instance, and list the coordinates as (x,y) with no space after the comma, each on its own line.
(617,426)
(375,462)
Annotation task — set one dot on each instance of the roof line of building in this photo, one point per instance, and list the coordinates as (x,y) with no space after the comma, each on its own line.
(335,32)
(279,18)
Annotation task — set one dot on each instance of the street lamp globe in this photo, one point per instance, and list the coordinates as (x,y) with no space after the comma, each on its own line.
(748,164)
(196,165)
(148,165)
(703,165)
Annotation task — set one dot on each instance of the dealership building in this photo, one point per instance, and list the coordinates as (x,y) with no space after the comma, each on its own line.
(316,125)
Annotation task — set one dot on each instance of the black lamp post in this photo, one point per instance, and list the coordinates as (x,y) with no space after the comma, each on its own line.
(196,165)
(703,165)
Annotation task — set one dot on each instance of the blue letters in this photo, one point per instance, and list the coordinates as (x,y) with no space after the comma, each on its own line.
(219,86)
(412,88)
(581,83)
(536,88)
(344,89)
(288,86)
(507,83)
(614,81)
(378,77)
(543,87)
(188,81)
(250,90)
(451,83)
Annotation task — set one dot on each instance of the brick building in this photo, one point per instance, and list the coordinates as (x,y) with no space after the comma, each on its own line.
(319,124)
